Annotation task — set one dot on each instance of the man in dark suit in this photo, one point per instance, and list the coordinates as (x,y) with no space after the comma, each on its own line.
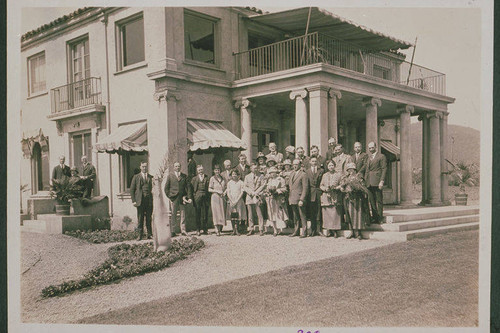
(341,159)
(243,167)
(142,198)
(302,157)
(191,165)
(376,168)
(314,152)
(299,186)
(61,170)
(359,158)
(314,174)
(330,154)
(178,191)
(88,177)
(201,199)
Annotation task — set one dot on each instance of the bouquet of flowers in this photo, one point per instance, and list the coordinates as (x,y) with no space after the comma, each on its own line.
(353,186)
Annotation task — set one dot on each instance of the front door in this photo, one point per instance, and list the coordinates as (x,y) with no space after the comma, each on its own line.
(81,144)
(261,140)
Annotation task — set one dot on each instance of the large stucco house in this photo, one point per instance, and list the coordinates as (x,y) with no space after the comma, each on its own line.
(122,85)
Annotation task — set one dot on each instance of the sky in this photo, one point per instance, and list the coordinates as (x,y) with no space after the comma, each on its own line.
(449,41)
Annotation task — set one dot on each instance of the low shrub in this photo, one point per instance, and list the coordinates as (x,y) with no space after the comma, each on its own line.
(127,260)
(104,236)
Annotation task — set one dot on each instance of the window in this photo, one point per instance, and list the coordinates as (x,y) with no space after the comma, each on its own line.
(79,67)
(199,38)
(130,41)
(81,144)
(130,166)
(381,72)
(36,73)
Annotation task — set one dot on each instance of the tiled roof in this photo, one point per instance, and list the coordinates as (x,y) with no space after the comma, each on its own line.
(256,10)
(56,22)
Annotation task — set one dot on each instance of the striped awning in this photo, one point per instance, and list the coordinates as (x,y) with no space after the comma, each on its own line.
(295,21)
(390,148)
(205,135)
(130,137)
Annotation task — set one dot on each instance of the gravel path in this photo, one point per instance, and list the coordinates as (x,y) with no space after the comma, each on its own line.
(223,259)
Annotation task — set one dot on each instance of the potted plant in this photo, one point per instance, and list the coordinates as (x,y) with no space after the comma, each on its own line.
(63,190)
(462,176)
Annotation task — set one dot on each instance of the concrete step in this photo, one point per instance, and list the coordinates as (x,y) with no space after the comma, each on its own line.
(38,226)
(421,233)
(422,224)
(407,215)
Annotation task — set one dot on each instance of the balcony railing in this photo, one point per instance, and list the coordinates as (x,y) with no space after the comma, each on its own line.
(318,48)
(76,94)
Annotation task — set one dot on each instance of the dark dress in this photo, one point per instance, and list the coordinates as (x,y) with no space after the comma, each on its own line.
(356,202)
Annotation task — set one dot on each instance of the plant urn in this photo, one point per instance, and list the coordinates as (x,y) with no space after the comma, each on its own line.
(461,199)
(62,208)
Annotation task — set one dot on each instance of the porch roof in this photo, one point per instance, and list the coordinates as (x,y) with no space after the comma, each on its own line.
(130,137)
(205,135)
(295,21)
(391,148)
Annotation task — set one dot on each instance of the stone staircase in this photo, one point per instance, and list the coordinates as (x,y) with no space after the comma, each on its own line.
(406,224)
(57,224)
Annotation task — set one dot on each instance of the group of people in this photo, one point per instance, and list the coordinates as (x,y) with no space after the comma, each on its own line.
(86,180)
(279,189)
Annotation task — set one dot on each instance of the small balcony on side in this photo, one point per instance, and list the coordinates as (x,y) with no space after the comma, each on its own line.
(76,98)
(316,48)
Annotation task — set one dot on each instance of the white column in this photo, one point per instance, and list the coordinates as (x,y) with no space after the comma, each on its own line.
(444,157)
(371,104)
(405,158)
(425,161)
(301,138)
(334,95)
(246,125)
(434,159)
(318,117)
(93,138)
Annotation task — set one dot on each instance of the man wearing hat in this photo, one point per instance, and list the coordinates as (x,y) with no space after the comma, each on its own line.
(330,154)
(273,153)
(290,153)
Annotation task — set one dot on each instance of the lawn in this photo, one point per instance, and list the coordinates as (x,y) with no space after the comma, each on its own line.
(424,282)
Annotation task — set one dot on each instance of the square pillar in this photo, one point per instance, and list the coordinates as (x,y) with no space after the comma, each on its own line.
(246,125)
(301,137)
(162,131)
(405,156)
(371,104)
(318,117)
(334,95)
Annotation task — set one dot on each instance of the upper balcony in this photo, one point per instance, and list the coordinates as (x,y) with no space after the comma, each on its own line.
(76,98)
(320,48)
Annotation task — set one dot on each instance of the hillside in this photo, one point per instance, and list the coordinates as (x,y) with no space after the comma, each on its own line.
(466,146)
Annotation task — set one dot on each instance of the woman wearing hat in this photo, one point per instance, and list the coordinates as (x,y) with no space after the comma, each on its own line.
(356,204)
(275,199)
(261,159)
(331,200)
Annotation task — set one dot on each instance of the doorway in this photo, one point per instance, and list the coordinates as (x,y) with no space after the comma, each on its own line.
(81,144)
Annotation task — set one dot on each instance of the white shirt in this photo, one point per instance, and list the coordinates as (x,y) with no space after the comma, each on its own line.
(177,174)
(313,169)
(201,177)
(144,176)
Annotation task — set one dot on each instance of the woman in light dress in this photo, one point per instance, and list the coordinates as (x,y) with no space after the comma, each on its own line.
(275,199)
(331,200)
(236,205)
(217,186)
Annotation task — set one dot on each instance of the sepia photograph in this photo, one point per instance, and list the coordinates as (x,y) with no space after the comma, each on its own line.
(223,167)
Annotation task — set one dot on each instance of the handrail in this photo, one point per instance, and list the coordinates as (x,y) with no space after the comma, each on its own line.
(76,94)
(321,48)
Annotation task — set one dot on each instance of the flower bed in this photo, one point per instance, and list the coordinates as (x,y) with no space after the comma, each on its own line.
(127,260)
(104,236)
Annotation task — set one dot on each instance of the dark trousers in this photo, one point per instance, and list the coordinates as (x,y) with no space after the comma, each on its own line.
(88,185)
(145,210)
(315,215)
(299,217)
(376,200)
(201,211)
